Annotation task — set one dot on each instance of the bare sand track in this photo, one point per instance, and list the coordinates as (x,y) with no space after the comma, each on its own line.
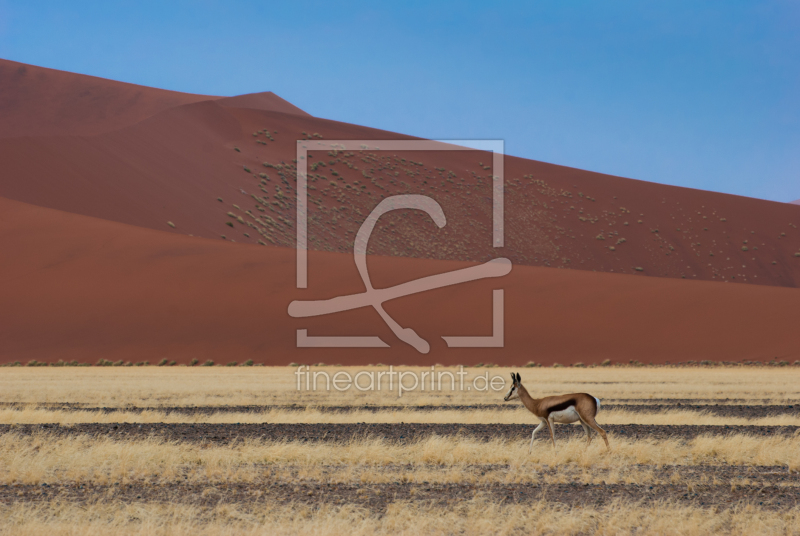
(726,410)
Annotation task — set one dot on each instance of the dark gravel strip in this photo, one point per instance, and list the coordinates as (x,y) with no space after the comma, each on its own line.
(723,410)
(376,497)
(402,432)
(727,410)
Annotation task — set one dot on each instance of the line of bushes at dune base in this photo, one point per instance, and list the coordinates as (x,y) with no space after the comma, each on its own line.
(250,363)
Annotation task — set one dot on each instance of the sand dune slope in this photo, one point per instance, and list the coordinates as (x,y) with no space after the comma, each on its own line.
(175,166)
(266,101)
(35,101)
(82,288)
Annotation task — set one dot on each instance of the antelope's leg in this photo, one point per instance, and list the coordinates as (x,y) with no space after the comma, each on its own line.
(552,434)
(533,434)
(593,423)
(588,432)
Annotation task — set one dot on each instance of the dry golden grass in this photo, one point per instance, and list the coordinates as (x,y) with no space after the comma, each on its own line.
(518,415)
(31,460)
(44,458)
(476,516)
(182,386)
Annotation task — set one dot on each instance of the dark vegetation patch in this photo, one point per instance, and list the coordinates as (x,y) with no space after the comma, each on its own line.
(396,432)
(376,497)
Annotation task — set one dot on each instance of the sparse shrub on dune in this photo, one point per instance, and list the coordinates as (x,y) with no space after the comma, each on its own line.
(208,363)
(194,361)
(229,224)
(248,363)
(162,362)
(232,364)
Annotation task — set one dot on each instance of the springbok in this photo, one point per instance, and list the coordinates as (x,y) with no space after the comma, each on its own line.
(563,409)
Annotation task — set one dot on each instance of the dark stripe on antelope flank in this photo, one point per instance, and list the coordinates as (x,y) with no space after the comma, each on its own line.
(562,406)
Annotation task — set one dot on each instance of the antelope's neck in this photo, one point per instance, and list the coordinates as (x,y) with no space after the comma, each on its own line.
(527,400)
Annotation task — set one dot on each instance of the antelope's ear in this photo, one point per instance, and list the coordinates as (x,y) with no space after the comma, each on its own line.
(513,379)
(519,378)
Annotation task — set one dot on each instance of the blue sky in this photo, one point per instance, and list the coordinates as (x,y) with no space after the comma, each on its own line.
(690,93)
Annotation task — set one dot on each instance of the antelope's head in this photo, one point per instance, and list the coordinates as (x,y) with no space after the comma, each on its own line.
(516,383)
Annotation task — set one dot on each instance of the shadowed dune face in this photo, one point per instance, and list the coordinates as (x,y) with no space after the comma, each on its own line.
(83,288)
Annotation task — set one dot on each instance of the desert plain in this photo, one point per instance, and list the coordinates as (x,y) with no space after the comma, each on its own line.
(209,450)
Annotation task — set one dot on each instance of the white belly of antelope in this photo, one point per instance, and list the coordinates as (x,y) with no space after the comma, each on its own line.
(565,416)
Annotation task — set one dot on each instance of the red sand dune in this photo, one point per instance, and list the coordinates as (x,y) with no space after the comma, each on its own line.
(266,102)
(175,165)
(796,202)
(83,288)
(35,101)
(93,170)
